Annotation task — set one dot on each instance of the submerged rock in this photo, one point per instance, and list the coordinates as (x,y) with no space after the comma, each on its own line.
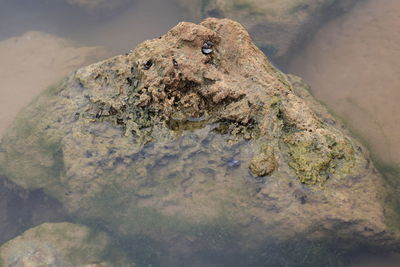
(142,143)
(21,209)
(59,244)
(278,27)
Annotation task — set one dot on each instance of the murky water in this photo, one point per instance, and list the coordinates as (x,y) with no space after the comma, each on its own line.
(352,65)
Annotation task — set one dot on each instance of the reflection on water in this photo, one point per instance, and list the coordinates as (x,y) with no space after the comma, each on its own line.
(352,66)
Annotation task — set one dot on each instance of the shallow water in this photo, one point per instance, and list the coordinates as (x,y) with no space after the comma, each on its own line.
(351,64)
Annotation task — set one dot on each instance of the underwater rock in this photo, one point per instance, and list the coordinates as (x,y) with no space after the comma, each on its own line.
(142,143)
(264,163)
(277,27)
(21,209)
(60,244)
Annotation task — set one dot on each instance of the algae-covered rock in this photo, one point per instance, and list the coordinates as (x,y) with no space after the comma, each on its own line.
(60,244)
(157,144)
(278,27)
(264,163)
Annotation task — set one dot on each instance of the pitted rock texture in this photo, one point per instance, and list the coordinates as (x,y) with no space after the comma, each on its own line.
(171,79)
(158,143)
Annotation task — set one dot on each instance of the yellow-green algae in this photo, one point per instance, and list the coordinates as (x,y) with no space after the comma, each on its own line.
(314,163)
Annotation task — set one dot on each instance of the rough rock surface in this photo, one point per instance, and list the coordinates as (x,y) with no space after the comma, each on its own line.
(278,27)
(161,143)
(59,244)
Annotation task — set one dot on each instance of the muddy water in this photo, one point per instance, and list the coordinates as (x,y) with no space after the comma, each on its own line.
(353,66)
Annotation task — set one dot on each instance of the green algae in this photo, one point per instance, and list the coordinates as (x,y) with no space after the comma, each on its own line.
(314,163)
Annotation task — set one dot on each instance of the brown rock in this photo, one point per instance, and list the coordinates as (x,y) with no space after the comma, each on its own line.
(264,163)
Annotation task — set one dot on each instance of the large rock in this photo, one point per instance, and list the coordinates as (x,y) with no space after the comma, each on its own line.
(60,244)
(278,27)
(196,141)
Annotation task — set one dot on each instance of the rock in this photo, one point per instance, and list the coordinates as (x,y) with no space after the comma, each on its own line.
(140,143)
(60,244)
(21,209)
(264,163)
(278,27)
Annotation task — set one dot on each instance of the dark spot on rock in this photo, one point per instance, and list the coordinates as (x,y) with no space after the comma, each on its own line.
(113,111)
(207,47)
(120,121)
(88,154)
(300,195)
(129,80)
(98,114)
(367,229)
(147,65)
(76,116)
(119,160)
(102,163)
